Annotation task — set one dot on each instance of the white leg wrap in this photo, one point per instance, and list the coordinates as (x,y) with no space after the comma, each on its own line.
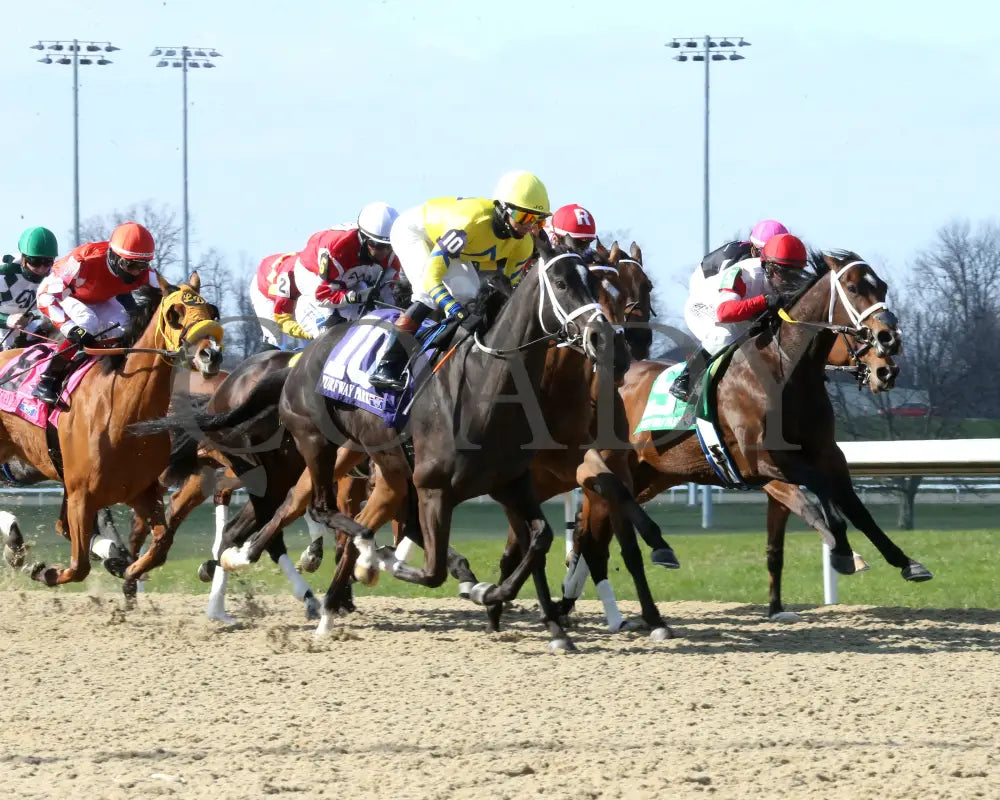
(101,546)
(217,597)
(7,521)
(221,518)
(404,548)
(366,552)
(576,578)
(299,586)
(607,595)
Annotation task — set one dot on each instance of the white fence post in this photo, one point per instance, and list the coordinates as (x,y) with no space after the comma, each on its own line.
(830,596)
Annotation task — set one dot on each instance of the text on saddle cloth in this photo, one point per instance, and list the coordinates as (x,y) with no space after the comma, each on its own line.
(19,378)
(354,357)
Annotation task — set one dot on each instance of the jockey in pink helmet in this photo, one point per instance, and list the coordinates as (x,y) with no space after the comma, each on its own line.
(732,252)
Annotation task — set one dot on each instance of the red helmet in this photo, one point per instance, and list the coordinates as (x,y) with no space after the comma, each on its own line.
(785,250)
(132,241)
(574,221)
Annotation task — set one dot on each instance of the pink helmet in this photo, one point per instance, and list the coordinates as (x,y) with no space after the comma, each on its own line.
(764,230)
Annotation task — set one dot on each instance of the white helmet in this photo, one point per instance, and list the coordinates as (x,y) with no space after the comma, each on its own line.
(375,221)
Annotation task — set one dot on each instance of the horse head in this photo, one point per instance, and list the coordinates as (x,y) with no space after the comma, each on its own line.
(566,305)
(607,286)
(189,325)
(857,306)
(637,288)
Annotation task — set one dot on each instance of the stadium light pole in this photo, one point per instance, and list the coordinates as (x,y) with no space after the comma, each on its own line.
(66,52)
(714,48)
(184,58)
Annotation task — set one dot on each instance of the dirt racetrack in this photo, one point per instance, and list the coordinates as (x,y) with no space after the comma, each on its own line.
(411,699)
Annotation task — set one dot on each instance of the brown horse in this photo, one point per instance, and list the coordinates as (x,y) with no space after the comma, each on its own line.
(101,463)
(772,379)
(570,383)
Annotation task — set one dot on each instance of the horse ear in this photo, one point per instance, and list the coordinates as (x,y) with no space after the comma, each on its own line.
(164,284)
(636,252)
(195,281)
(543,246)
(600,249)
(615,253)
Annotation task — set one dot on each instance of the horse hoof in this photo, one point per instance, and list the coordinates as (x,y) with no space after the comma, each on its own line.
(323,629)
(220,616)
(479,591)
(34,570)
(15,556)
(130,589)
(311,558)
(784,616)
(564,645)
(366,576)
(312,608)
(206,571)
(665,557)
(916,572)
(661,634)
(844,564)
(860,565)
(630,625)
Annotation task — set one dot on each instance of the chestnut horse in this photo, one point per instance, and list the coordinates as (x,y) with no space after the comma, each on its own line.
(101,463)
(847,298)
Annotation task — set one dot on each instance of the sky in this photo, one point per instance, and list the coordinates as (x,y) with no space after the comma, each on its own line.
(860,125)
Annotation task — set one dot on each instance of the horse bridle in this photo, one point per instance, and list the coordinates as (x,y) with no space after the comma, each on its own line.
(569,333)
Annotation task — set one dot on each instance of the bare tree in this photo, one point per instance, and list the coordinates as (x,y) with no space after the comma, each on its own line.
(217,283)
(161,220)
(948,315)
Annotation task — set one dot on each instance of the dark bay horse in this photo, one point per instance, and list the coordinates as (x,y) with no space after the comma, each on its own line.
(776,380)
(569,382)
(465,443)
(102,463)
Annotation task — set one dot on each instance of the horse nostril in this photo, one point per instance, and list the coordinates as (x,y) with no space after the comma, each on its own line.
(886,374)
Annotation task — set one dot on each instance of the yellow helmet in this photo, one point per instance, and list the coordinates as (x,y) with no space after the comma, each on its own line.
(522,190)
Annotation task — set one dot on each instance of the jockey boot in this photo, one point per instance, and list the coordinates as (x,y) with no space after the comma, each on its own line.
(50,385)
(692,372)
(388,374)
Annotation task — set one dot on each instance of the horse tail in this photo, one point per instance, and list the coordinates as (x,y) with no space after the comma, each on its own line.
(260,405)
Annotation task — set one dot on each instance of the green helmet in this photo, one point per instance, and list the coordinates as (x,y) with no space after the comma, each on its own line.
(38,242)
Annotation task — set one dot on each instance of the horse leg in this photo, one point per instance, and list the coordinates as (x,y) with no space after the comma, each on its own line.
(240,526)
(777,520)
(594,474)
(509,559)
(234,557)
(148,505)
(14,550)
(534,536)
(850,504)
(79,524)
(300,589)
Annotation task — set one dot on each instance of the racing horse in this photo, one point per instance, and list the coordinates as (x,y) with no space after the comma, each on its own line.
(465,443)
(777,379)
(97,460)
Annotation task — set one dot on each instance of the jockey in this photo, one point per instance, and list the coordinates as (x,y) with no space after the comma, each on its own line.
(19,281)
(273,294)
(444,245)
(731,252)
(731,299)
(79,295)
(572,227)
(339,267)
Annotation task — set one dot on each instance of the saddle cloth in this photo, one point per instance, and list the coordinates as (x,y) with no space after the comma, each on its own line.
(20,376)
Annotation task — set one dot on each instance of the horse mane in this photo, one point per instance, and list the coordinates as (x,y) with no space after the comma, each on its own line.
(146,302)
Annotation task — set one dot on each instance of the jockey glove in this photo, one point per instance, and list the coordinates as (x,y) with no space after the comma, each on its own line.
(79,336)
(774,302)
